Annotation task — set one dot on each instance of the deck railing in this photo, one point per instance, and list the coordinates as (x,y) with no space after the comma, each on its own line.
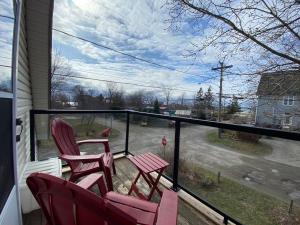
(178,121)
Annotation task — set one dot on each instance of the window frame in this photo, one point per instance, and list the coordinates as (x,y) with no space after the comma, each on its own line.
(285,117)
(287,98)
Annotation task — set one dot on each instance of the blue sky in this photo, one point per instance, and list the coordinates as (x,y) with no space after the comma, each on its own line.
(139,28)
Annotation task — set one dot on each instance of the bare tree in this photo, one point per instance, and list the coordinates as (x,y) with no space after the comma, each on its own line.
(167,92)
(60,71)
(80,96)
(60,100)
(149,97)
(115,95)
(267,28)
(136,100)
(111,89)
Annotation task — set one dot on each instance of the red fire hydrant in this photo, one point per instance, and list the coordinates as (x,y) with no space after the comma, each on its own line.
(164,141)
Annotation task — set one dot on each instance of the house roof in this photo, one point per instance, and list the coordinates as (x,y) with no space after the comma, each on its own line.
(280,83)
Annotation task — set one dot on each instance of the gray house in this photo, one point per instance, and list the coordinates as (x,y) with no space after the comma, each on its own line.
(279,100)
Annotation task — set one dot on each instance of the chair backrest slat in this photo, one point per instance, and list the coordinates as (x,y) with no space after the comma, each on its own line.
(63,135)
(65,203)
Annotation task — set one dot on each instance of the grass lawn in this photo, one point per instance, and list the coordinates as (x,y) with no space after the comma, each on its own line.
(247,205)
(242,146)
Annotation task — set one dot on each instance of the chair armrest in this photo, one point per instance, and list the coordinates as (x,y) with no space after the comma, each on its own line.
(95,141)
(131,202)
(82,158)
(167,209)
(92,141)
(91,180)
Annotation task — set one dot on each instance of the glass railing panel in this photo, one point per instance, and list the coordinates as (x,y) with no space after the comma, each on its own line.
(252,178)
(147,134)
(86,126)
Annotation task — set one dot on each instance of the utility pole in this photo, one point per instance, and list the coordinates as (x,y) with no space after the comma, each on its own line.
(222,68)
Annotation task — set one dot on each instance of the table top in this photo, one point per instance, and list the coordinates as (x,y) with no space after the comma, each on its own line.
(148,162)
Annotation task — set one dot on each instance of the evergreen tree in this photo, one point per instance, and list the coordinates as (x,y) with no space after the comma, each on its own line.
(156,106)
(199,96)
(208,99)
(234,106)
(199,104)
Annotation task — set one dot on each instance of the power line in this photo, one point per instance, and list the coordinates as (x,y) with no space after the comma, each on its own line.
(3,57)
(7,17)
(119,82)
(5,42)
(117,76)
(5,66)
(125,54)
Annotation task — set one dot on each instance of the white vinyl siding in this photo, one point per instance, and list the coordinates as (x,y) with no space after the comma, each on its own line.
(24,98)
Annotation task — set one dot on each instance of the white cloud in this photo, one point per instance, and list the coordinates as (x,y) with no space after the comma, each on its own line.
(138,28)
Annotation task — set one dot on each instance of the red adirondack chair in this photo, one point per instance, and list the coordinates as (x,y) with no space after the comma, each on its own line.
(81,165)
(66,203)
(106,132)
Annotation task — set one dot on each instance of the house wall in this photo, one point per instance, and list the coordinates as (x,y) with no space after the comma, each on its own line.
(24,97)
(39,40)
(270,111)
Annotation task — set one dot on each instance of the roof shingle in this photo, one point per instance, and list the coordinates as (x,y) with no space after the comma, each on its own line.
(279,83)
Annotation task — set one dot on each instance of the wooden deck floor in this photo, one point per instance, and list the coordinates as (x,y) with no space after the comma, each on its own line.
(126,172)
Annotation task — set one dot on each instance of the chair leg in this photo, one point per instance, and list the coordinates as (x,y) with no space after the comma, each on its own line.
(108,178)
(114,168)
(72,178)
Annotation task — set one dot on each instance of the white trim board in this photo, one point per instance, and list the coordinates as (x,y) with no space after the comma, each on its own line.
(6,94)
(9,214)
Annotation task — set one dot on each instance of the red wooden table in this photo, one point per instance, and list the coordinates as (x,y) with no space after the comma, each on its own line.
(147,163)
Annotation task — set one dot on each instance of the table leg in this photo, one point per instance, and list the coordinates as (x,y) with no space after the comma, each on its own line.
(134,182)
(146,179)
(154,187)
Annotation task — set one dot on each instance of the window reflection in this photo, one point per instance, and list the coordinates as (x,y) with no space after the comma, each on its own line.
(6,40)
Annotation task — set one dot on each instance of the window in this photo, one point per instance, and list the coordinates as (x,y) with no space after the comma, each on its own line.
(287,120)
(6,43)
(288,100)
(7,179)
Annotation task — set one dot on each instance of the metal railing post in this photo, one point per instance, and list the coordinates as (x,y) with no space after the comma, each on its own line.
(127,132)
(225,220)
(32,138)
(176,156)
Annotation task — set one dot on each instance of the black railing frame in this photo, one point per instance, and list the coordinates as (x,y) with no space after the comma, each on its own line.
(127,133)
(178,120)
(176,156)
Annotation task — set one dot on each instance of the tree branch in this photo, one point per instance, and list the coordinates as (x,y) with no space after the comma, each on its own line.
(241,31)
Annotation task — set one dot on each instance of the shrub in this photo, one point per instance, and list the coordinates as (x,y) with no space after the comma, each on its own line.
(226,116)
(236,119)
(207,182)
(244,136)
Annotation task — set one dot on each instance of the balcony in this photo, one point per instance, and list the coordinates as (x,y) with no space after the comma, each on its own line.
(249,176)
(126,173)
